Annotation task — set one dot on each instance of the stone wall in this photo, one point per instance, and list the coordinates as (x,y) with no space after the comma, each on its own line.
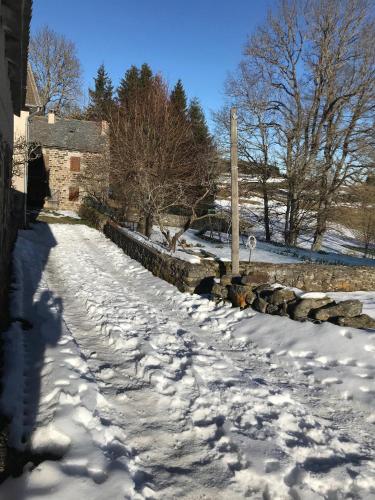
(311,277)
(61,178)
(7,232)
(188,277)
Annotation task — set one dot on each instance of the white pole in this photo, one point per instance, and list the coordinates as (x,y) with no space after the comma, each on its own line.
(234,201)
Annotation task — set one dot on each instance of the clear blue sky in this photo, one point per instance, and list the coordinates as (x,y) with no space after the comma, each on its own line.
(197,41)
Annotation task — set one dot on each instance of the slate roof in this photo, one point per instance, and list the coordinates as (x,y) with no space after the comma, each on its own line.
(71,135)
(15,17)
(32,95)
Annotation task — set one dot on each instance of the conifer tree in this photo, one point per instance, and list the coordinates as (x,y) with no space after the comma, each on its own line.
(198,123)
(135,82)
(128,87)
(178,99)
(101,97)
(145,76)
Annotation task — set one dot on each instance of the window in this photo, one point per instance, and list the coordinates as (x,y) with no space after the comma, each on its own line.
(75,163)
(73,193)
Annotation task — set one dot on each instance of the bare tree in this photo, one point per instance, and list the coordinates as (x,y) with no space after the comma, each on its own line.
(256,134)
(156,166)
(361,217)
(23,153)
(57,70)
(316,62)
(342,62)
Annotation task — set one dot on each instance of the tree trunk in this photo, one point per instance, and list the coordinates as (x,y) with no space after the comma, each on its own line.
(148,225)
(266,214)
(286,226)
(321,225)
(292,232)
(142,225)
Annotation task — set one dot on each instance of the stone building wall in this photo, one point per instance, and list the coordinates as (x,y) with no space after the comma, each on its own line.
(7,229)
(62,179)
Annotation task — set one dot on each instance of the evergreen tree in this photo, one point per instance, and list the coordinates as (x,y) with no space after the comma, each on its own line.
(145,76)
(198,123)
(101,98)
(178,99)
(135,82)
(128,87)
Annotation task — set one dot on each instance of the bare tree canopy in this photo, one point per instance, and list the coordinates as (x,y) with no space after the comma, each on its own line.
(306,97)
(157,165)
(57,70)
(160,160)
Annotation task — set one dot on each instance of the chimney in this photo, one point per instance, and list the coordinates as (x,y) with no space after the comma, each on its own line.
(105,127)
(51,117)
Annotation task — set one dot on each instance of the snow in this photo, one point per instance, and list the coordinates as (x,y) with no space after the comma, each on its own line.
(264,252)
(59,213)
(335,242)
(313,295)
(157,245)
(127,388)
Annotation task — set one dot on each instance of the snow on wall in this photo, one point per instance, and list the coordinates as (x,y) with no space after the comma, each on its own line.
(187,276)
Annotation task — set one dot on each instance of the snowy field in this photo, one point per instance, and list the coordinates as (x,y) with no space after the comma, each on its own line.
(338,241)
(129,389)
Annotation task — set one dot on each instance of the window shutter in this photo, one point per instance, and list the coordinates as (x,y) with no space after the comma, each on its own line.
(73,193)
(75,163)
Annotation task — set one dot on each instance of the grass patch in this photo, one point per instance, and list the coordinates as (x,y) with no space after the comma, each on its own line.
(58,220)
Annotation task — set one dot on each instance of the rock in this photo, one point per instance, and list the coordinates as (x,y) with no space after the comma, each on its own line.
(266,293)
(281,296)
(236,279)
(220,290)
(254,278)
(362,321)
(226,279)
(346,308)
(250,297)
(272,309)
(238,295)
(260,305)
(265,287)
(303,308)
(283,311)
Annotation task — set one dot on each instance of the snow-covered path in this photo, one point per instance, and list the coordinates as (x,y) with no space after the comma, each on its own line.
(144,392)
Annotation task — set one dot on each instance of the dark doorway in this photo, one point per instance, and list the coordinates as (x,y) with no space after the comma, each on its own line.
(38,183)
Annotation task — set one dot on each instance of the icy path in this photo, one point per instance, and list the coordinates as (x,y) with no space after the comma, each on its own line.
(144,392)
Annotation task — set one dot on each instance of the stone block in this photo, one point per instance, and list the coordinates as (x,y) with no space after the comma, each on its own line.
(363,321)
(346,308)
(281,296)
(305,307)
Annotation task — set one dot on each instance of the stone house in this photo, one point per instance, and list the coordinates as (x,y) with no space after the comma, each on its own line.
(68,145)
(15,16)
(21,131)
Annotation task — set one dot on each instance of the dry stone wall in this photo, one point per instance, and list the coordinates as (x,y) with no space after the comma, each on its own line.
(311,277)
(186,276)
(195,277)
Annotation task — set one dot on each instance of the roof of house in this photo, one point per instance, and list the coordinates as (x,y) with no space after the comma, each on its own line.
(32,95)
(15,19)
(71,135)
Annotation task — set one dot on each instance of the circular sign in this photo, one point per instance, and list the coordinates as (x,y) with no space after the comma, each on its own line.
(251,242)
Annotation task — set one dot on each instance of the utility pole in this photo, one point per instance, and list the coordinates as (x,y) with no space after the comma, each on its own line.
(234,201)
